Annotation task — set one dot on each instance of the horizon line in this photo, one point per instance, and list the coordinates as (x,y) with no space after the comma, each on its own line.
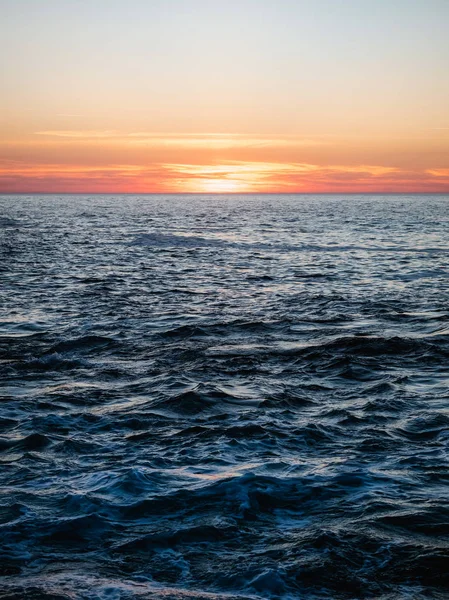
(347,193)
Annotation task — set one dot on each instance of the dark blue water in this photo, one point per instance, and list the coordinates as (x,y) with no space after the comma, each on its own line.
(224,397)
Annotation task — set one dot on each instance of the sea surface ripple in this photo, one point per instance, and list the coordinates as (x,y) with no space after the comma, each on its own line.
(224,397)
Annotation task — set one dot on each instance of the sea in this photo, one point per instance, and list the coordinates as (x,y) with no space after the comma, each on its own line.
(224,397)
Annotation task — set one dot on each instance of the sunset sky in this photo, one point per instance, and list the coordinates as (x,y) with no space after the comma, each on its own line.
(224,96)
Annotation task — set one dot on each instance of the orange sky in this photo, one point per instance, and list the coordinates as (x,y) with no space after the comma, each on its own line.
(192,96)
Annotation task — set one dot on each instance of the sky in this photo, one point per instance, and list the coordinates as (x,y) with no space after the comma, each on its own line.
(208,96)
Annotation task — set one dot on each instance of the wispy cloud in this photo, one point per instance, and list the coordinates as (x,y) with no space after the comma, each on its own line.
(228,176)
(438,172)
(269,176)
(78,135)
(191,140)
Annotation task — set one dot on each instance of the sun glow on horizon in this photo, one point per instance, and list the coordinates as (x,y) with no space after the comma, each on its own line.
(227,177)
(221,186)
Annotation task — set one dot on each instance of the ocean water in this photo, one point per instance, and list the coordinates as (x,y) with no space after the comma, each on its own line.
(224,397)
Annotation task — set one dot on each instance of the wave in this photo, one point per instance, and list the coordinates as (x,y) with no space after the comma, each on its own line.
(169,240)
(8,222)
(72,586)
(84,343)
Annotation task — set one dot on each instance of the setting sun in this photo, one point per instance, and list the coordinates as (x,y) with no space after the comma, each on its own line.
(221,186)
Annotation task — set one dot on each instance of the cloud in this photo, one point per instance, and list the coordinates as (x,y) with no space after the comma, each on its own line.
(193,140)
(228,176)
(78,135)
(438,172)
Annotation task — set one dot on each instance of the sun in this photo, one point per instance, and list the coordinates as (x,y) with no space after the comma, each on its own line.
(222,186)
(228,178)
